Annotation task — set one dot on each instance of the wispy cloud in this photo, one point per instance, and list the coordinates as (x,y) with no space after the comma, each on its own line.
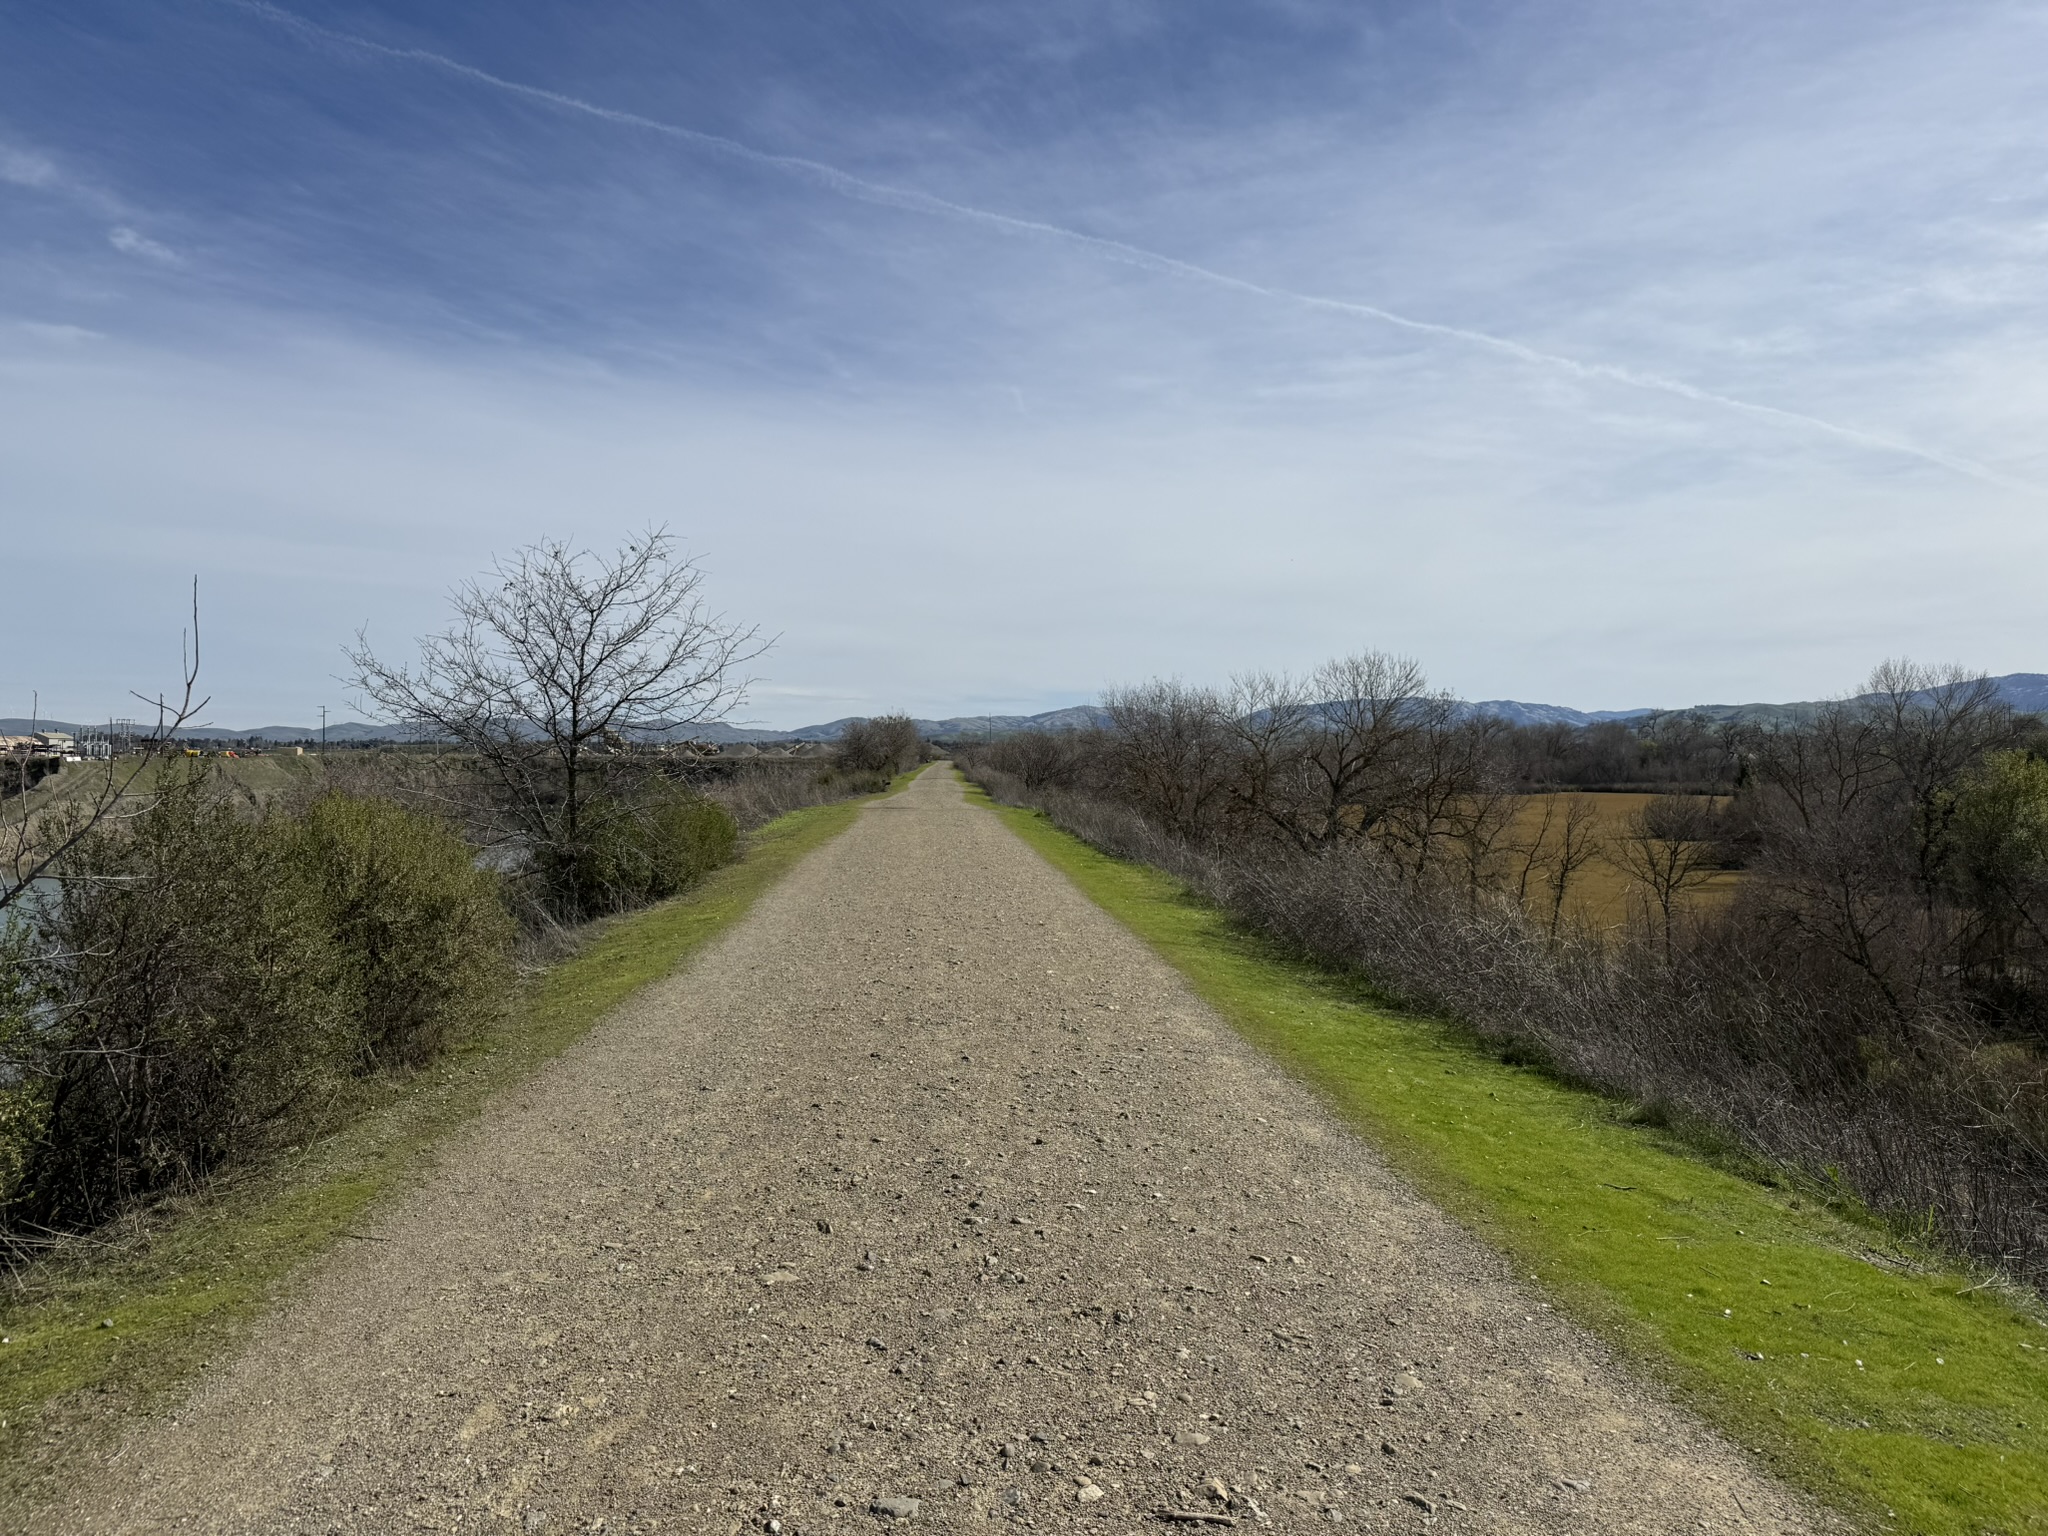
(1592,352)
(843,183)
(25,168)
(57,331)
(132,242)
(29,168)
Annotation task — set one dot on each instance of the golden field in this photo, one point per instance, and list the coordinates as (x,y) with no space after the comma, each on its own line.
(1600,894)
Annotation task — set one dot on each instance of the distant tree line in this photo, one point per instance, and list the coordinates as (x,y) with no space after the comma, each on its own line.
(1869,1002)
(1663,751)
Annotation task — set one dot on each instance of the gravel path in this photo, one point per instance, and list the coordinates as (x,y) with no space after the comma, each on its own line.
(927,1188)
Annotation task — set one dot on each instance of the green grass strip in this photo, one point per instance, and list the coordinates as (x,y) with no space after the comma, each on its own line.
(183,1296)
(1908,1395)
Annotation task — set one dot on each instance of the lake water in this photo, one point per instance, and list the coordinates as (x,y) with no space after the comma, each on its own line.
(24,906)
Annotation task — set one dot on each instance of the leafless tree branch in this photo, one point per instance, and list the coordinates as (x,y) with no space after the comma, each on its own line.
(36,839)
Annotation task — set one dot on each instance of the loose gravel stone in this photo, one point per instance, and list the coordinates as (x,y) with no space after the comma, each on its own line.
(651,1287)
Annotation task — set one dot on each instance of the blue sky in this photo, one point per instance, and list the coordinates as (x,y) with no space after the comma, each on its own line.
(1601,353)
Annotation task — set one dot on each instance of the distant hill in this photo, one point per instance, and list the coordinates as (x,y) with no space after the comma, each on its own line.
(347,730)
(1515,712)
(959,727)
(2024,691)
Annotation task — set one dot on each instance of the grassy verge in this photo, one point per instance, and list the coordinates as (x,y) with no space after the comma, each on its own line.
(95,1338)
(1907,1394)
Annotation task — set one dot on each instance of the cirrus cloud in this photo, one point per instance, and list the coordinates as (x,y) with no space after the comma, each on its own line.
(132,242)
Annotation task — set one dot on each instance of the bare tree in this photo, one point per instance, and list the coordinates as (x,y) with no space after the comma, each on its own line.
(1338,754)
(1932,724)
(559,660)
(1265,719)
(1855,816)
(1484,833)
(1578,844)
(1528,851)
(1827,819)
(1668,850)
(1370,711)
(1169,743)
(1056,758)
(1328,757)
(883,744)
(1451,779)
(35,840)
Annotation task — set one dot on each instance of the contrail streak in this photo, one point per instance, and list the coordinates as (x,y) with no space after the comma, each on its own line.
(859,188)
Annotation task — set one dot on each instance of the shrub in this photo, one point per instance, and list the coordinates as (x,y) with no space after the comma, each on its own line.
(208,980)
(419,935)
(755,795)
(186,1003)
(886,745)
(21,1103)
(685,836)
(646,847)
(2001,834)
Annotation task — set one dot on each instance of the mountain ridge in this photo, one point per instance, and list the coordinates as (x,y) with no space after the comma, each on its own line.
(2026,692)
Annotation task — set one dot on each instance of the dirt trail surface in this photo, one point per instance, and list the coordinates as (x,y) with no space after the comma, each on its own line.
(928,1194)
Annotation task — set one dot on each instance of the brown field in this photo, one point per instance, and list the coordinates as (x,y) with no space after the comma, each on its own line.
(1600,895)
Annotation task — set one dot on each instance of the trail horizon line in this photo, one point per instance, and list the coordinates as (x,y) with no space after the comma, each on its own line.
(857,188)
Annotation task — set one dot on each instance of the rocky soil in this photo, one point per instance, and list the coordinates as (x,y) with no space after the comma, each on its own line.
(928,1196)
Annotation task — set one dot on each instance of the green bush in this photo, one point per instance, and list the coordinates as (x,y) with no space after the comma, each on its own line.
(2000,858)
(185,1003)
(208,981)
(419,934)
(2001,832)
(647,847)
(686,837)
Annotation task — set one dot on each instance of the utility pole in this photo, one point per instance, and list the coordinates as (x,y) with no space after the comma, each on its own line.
(323,728)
